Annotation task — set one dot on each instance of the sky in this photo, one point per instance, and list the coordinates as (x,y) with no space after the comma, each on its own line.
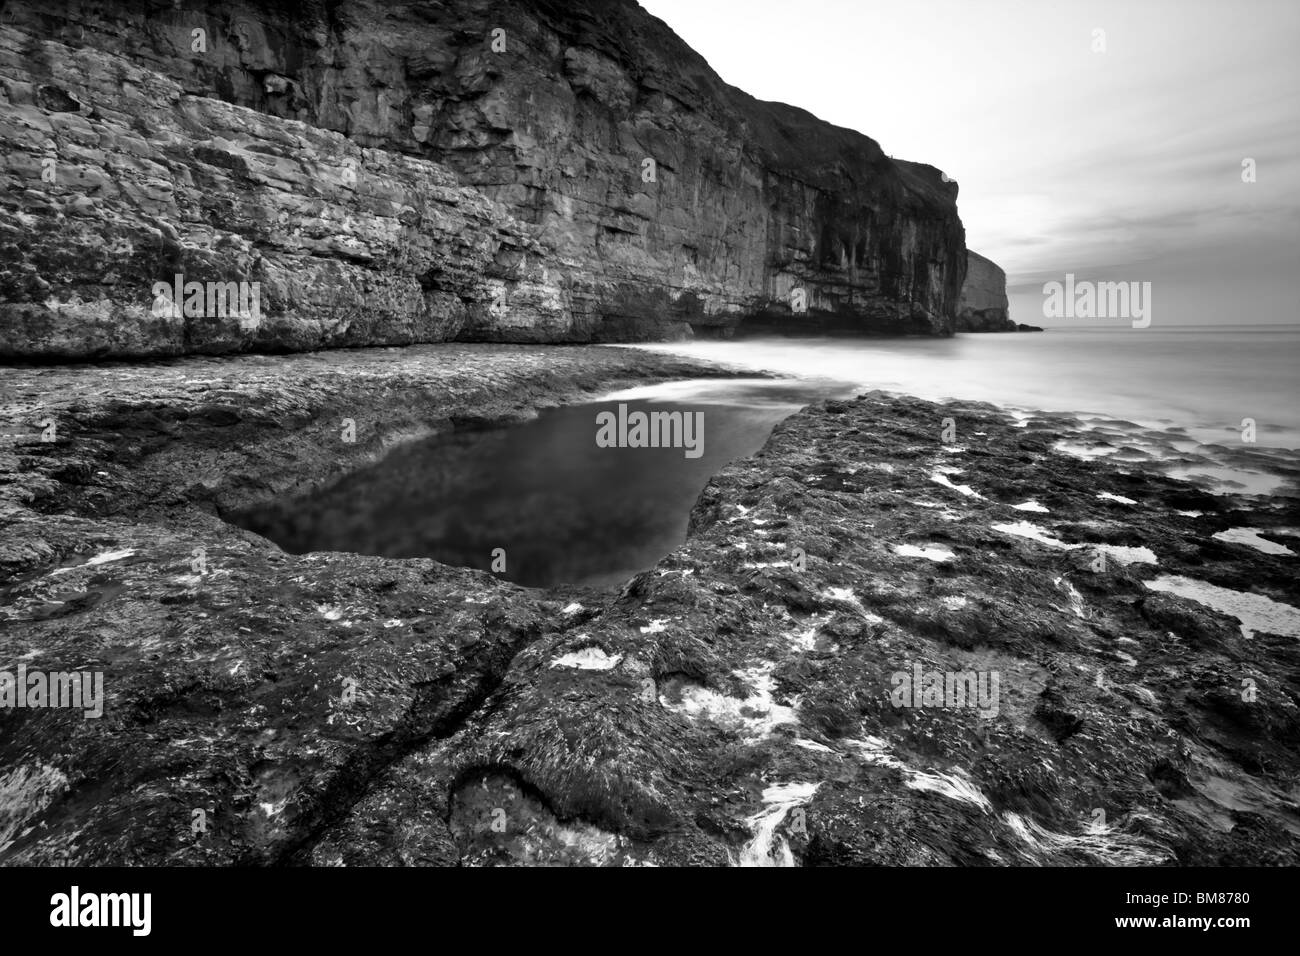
(1114,164)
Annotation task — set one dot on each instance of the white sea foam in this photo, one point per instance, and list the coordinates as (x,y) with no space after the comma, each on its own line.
(955,786)
(588,659)
(1120,499)
(813,745)
(767,847)
(936,554)
(1254,611)
(1122,554)
(1027,529)
(755,716)
(1250,537)
(846,596)
(1076,599)
(1226,480)
(104,557)
(1099,842)
(940,477)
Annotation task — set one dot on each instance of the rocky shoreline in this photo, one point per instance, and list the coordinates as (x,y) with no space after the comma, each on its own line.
(734,704)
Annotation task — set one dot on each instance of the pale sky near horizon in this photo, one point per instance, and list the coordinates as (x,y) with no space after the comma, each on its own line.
(1118,165)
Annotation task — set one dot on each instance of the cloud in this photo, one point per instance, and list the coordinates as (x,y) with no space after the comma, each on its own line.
(1068,160)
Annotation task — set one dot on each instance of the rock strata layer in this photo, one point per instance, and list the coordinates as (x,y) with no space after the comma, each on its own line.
(983,305)
(402,172)
(740,702)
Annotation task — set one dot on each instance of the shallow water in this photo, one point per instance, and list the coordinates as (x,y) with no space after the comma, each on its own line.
(565,510)
(1203,379)
(1179,399)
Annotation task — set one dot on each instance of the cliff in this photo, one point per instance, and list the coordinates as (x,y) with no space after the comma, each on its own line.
(393,173)
(983,303)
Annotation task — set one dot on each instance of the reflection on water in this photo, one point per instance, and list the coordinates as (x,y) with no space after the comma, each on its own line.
(564,510)
(567,511)
(1214,406)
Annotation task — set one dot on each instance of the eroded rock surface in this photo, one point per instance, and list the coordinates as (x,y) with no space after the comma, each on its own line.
(730,705)
(407,172)
(259,690)
(734,703)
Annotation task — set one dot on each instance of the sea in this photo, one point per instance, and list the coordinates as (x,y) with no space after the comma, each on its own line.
(542,503)
(1205,379)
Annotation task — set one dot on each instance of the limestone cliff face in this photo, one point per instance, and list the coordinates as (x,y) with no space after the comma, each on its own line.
(397,172)
(983,303)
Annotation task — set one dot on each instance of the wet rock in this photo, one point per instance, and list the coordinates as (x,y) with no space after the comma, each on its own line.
(250,696)
(847,661)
